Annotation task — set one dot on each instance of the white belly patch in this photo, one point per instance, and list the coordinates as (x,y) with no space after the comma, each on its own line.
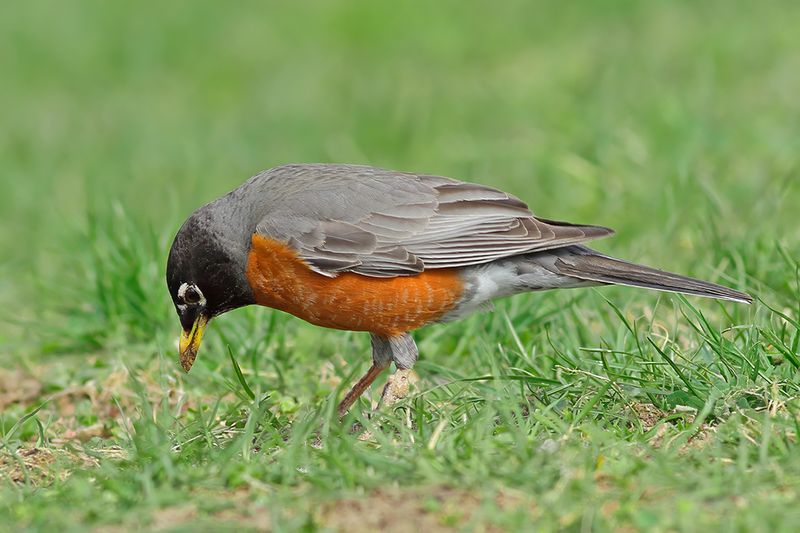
(503,278)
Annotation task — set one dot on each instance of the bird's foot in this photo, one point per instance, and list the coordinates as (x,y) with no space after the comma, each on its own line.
(397,387)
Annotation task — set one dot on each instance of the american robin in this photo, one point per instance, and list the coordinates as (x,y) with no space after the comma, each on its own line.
(365,249)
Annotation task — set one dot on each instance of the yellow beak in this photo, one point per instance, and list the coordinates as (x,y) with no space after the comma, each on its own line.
(190,342)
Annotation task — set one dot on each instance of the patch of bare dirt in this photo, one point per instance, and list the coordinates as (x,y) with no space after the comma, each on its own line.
(34,465)
(112,398)
(652,417)
(101,407)
(648,414)
(254,517)
(17,386)
(399,511)
(240,513)
(168,517)
(31,465)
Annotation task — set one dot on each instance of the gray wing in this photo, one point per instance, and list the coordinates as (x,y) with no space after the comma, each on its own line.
(381,223)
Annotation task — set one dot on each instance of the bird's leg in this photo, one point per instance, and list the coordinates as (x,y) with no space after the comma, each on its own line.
(404,355)
(359,388)
(381,359)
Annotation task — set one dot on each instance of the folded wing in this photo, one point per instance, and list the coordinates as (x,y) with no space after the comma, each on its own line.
(380,223)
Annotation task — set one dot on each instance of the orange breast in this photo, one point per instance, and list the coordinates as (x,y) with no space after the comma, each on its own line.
(388,306)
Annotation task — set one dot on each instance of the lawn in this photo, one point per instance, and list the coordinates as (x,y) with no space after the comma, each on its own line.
(676,123)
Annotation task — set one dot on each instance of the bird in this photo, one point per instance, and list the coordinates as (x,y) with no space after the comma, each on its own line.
(359,248)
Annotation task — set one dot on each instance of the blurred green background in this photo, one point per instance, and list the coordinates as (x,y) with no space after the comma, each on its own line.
(676,123)
(628,114)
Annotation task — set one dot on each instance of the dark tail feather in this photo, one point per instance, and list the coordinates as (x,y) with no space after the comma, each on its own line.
(586,264)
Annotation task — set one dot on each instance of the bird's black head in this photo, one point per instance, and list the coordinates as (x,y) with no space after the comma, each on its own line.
(206,275)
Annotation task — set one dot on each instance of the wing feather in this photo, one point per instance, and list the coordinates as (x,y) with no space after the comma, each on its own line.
(380,223)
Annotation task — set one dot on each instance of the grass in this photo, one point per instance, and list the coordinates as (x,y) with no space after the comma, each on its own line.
(609,409)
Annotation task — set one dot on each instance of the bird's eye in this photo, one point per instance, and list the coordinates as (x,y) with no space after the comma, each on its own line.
(192,295)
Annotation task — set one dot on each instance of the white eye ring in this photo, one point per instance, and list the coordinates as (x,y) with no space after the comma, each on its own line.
(182,294)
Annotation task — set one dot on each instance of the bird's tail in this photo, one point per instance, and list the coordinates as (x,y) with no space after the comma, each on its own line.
(585,264)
